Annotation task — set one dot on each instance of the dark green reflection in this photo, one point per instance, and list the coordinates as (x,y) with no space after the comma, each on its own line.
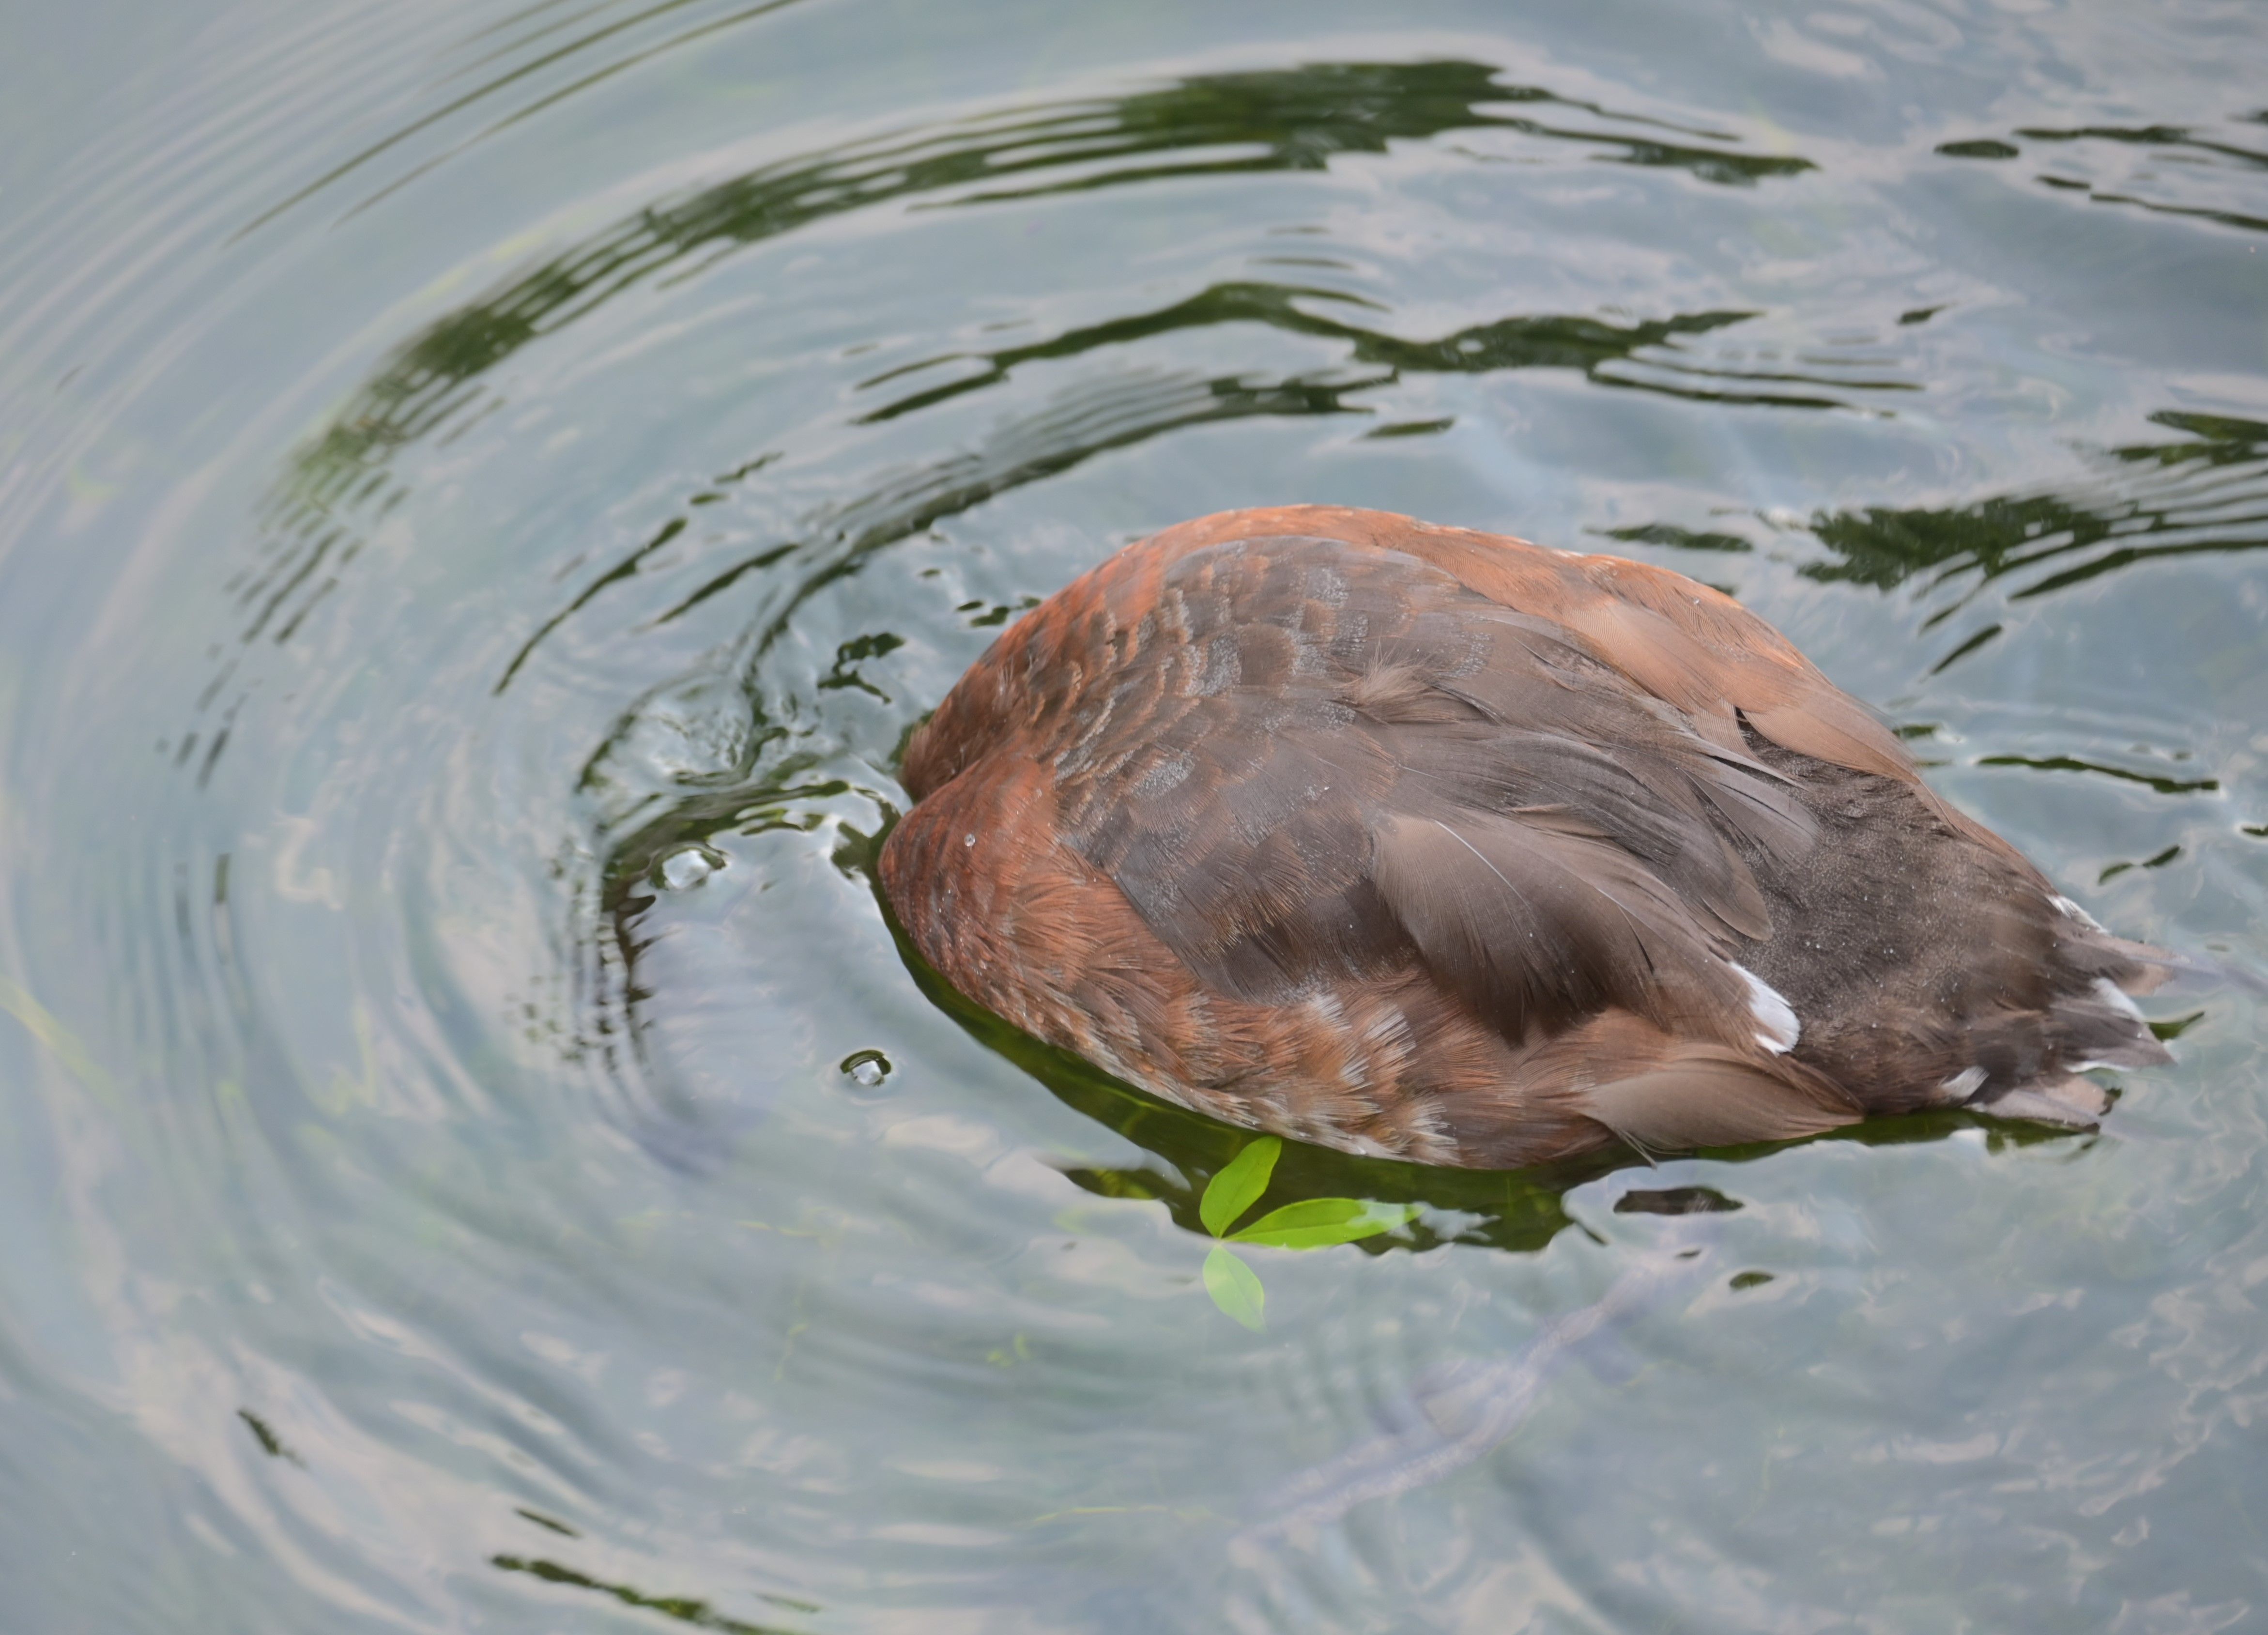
(1683,539)
(1982,148)
(1121,410)
(1676,1200)
(1295,119)
(847,655)
(1583,344)
(1101,415)
(684,1609)
(2148,136)
(2205,492)
(270,1444)
(2072,763)
(2157,861)
(2189,156)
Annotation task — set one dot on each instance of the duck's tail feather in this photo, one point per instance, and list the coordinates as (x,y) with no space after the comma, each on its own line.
(2091,1021)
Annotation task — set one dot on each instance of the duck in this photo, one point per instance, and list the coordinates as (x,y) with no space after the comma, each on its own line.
(1421,843)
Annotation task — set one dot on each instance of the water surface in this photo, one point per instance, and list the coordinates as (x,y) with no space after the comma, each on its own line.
(486,488)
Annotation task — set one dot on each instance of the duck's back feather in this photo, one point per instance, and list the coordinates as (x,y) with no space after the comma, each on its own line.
(1422,841)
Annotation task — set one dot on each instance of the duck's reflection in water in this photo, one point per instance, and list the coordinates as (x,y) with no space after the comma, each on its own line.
(1456,1411)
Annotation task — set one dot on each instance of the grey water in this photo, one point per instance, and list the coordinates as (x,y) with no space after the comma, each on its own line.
(486,488)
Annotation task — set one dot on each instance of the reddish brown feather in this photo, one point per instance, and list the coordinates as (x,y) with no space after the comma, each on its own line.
(1414,840)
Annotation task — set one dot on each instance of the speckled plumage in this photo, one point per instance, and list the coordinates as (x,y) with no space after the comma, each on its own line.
(1417,841)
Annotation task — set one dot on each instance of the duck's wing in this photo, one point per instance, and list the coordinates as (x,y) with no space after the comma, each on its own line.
(1345,763)
(1688,645)
(1313,837)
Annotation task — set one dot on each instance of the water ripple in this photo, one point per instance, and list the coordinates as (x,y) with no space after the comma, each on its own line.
(456,656)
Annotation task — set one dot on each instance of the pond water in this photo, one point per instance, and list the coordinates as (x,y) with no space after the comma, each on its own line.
(485,489)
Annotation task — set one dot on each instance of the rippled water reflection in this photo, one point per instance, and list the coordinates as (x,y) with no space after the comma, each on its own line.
(487,491)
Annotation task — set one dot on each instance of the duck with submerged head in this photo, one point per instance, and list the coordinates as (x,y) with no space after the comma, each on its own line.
(1439,845)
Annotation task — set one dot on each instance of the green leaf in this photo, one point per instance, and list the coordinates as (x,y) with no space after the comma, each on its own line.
(1317,1223)
(1235,1288)
(1238,1185)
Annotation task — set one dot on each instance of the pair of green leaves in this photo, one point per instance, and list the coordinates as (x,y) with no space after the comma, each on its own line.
(1310,1224)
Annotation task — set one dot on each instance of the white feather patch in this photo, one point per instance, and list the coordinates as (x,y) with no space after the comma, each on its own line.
(1964,1083)
(2117,997)
(1778,1027)
(2072,910)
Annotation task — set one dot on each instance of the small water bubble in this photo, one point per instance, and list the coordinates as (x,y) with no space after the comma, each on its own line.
(867,1068)
(688,867)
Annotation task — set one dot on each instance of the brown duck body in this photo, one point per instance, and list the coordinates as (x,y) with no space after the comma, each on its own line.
(1421,842)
